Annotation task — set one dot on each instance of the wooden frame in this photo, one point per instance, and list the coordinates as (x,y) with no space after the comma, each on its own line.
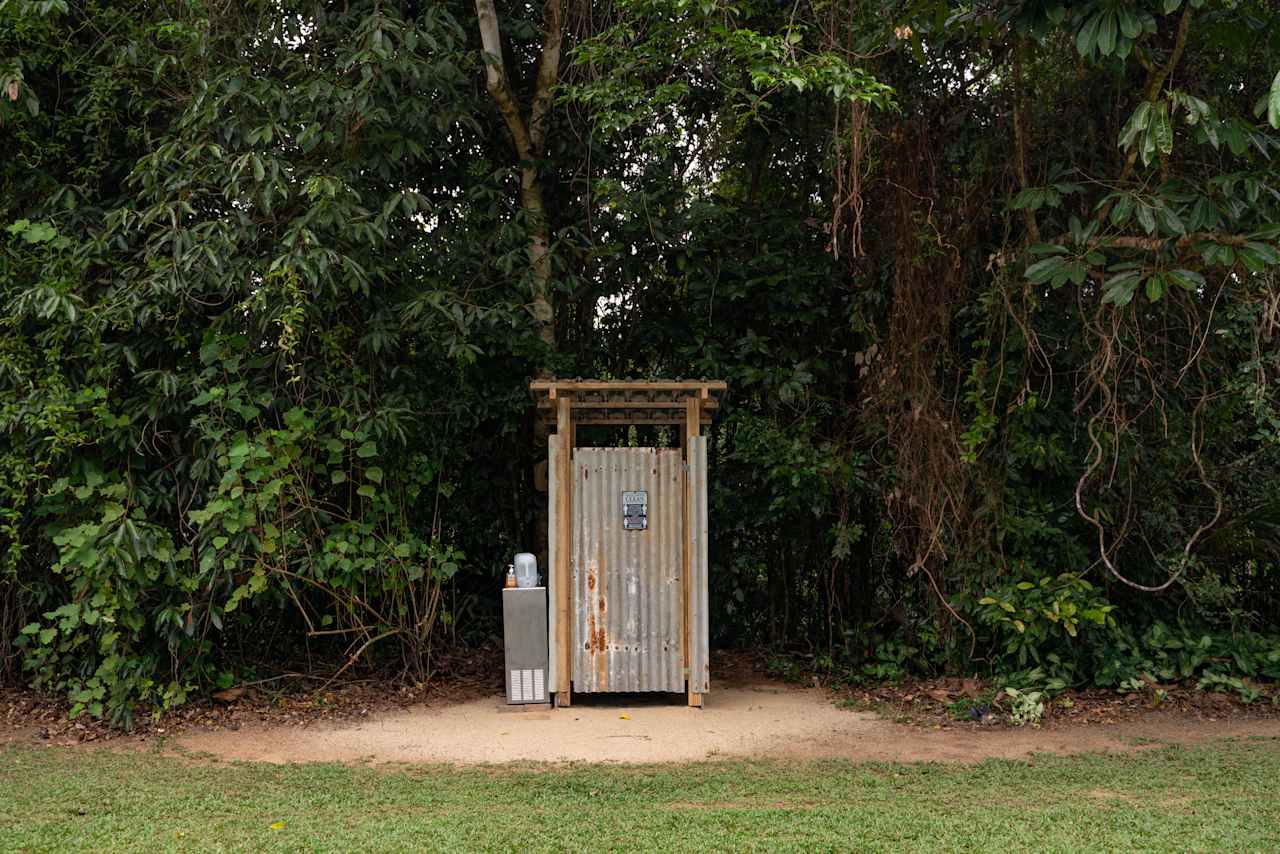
(573,403)
(692,428)
(564,549)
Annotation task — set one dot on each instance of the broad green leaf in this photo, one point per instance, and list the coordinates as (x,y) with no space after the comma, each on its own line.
(1226,256)
(1273,103)
(1155,287)
(1251,260)
(1264,251)
(367,450)
(1171,222)
(1188,280)
(1087,38)
(1129,24)
(1119,289)
(1149,146)
(1046,249)
(1163,127)
(1136,125)
(1032,197)
(1107,33)
(1122,210)
(1146,218)
(1203,215)
(1041,271)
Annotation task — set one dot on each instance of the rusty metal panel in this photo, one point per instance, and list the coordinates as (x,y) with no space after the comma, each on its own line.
(628,607)
(553,492)
(699,537)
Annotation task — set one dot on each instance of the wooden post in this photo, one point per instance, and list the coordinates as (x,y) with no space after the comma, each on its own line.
(692,428)
(564,545)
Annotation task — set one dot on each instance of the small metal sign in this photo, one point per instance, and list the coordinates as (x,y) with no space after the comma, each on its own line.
(635,510)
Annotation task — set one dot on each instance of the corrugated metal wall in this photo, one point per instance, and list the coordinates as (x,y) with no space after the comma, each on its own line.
(699,537)
(628,605)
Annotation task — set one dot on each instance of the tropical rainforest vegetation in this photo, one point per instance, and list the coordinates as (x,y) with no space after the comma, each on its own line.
(994,286)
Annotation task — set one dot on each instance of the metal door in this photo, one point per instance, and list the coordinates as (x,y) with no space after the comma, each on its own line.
(626,570)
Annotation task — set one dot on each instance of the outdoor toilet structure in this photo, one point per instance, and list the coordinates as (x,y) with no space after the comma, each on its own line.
(627,539)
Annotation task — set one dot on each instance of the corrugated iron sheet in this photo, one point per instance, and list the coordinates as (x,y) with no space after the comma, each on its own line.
(627,607)
(699,537)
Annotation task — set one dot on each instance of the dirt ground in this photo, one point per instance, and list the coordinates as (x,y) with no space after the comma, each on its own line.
(747,714)
(759,719)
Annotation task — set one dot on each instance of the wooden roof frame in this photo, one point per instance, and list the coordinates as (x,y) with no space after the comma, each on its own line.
(569,404)
(626,402)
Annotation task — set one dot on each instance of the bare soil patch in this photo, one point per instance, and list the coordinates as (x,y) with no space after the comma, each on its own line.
(746,715)
(762,719)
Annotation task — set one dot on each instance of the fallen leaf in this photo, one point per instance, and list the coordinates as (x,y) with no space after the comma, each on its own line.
(277,825)
(625,717)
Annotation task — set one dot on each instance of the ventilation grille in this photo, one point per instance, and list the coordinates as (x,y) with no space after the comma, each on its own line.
(529,686)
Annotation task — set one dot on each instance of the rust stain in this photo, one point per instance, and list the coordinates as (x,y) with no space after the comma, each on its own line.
(596,639)
(602,641)
(591,581)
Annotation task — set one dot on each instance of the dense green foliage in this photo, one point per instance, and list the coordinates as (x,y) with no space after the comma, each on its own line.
(1214,797)
(994,288)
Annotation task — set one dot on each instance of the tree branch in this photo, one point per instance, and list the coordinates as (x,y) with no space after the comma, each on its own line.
(1155,244)
(1020,137)
(496,79)
(529,140)
(548,71)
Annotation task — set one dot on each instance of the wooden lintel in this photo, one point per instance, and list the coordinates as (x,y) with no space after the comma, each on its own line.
(606,421)
(677,403)
(629,385)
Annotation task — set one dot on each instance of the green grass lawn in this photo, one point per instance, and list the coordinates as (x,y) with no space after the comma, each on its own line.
(1223,796)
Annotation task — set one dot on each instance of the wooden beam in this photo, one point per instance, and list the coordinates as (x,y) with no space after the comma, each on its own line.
(708,403)
(692,429)
(564,545)
(598,384)
(623,420)
(629,385)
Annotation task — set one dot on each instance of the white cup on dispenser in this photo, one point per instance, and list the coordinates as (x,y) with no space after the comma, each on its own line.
(526,570)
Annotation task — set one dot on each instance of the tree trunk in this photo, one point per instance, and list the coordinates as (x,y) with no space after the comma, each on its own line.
(529,139)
